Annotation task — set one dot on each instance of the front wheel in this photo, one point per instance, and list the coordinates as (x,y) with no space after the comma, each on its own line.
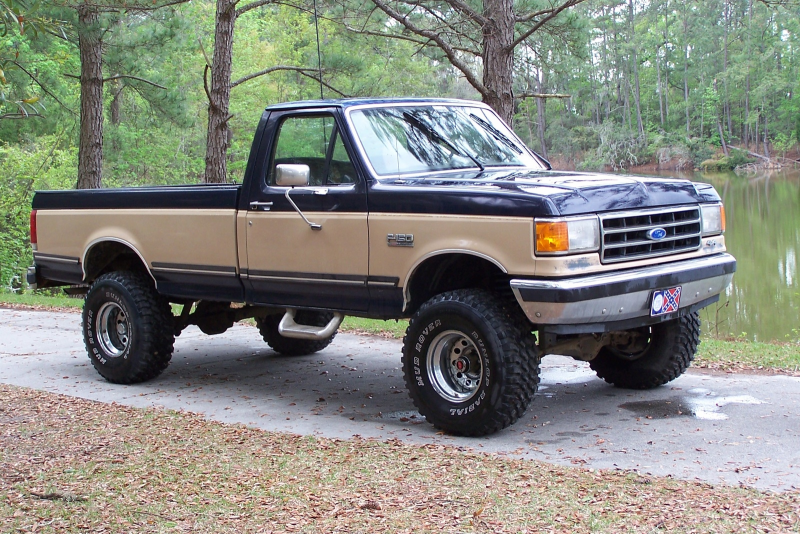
(127,328)
(669,349)
(470,365)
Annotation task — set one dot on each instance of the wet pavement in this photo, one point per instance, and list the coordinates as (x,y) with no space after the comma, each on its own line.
(736,429)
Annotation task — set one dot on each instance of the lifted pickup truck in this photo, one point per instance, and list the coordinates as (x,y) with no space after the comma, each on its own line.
(431,210)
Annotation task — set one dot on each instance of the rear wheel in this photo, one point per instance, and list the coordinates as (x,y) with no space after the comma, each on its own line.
(669,349)
(127,328)
(288,346)
(470,365)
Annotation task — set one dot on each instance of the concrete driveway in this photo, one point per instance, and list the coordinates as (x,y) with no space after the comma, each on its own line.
(736,429)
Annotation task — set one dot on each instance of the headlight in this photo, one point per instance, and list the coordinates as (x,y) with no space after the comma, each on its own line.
(713,219)
(567,235)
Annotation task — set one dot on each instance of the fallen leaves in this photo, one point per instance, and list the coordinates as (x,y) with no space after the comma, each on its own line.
(70,465)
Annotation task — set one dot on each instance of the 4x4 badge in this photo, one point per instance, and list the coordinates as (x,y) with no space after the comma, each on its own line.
(400,240)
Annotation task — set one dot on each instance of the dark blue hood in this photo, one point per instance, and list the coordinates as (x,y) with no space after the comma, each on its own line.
(533,193)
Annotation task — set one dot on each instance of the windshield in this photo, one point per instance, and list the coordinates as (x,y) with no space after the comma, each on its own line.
(420,139)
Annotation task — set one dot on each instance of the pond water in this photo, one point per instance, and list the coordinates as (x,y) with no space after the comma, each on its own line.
(763,232)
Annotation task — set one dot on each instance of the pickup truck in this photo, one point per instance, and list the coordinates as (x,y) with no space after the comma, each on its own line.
(426,209)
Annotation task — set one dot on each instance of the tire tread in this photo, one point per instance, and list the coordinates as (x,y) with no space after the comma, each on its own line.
(671,356)
(157,338)
(520,361)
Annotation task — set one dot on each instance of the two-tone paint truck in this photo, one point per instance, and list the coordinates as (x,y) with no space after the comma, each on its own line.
(430,210)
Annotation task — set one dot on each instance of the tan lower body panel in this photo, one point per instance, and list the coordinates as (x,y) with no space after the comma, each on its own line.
(192,237)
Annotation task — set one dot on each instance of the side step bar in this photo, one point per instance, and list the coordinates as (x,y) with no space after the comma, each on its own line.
(288,328)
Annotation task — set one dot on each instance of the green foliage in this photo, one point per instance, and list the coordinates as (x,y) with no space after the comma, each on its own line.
(727,163)
(21,90)
(43,165)
(619,148)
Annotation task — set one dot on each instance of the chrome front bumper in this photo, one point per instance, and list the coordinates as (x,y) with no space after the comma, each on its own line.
(621,300)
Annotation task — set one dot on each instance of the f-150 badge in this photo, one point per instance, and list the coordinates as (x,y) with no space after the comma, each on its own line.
(400,240)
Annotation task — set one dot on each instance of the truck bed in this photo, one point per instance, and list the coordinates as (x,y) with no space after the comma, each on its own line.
(185,234)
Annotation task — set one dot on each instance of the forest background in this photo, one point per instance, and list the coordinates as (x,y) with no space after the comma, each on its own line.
(622,85)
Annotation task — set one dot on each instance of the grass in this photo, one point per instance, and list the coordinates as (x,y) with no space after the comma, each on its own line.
(737,355)
(41,301)
(391,329)
(730,355)
(71,465)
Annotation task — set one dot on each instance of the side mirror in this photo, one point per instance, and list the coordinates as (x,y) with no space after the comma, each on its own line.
(290,175)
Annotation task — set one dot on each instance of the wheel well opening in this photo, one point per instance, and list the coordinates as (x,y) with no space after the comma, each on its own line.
(448,272)
(111,256)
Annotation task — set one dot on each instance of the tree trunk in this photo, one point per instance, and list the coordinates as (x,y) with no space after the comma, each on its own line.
(498,57)
(116,103)
(719,127)
(727,106)
(686,69)
(634,59)
(746,134)
(748,50)
(666,62)
(218,139)
(540,113)
(90,150)
(659,87)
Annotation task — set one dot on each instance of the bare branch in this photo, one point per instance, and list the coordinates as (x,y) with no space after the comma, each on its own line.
(314,75)
(423,42)
(19,115)
(203,50)
(553,14)
(310,73)
(121,76)
(530,16)
(462,7)
(115,8)
(47,92)
(253,5)
(267,71)
(448,50)
(541,95)
(205,84)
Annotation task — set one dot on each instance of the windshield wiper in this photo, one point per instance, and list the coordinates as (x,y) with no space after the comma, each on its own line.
(500,136)
(436,136)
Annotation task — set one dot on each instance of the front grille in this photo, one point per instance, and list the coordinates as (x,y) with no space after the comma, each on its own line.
(625,235)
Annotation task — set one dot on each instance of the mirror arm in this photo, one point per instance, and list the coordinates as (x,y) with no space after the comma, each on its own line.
(314,226)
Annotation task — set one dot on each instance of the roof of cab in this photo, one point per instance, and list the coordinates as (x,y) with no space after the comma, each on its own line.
(350,102)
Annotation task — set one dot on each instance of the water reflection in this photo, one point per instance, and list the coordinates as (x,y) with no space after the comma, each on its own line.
(763,232)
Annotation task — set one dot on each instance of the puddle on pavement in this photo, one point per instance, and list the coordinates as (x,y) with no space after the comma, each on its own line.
(658,409)
(701,405)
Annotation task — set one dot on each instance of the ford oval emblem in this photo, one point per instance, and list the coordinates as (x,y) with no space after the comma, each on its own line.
(657,234)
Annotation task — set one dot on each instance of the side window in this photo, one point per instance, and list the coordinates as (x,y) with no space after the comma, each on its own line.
(341,169)
(304,140)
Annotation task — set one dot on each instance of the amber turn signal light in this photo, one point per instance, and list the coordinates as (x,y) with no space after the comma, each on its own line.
(552,236)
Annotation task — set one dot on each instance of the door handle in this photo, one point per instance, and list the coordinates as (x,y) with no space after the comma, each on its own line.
(260,206)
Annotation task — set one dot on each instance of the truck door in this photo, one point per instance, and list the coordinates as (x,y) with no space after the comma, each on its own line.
(289,262)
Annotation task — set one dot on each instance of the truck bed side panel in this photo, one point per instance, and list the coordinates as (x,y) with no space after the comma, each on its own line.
(189,247)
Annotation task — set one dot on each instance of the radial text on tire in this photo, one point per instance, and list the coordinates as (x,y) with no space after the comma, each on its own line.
(127,328)
(471,365)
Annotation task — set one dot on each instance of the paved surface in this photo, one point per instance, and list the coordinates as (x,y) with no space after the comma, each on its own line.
(736,429)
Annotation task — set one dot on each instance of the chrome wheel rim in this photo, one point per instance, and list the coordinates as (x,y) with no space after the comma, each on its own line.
(113,329)
(454,366)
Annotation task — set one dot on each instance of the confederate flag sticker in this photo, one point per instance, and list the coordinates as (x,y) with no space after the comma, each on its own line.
(665,301)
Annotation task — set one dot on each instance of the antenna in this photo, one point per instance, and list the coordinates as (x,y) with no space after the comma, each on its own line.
(319,54)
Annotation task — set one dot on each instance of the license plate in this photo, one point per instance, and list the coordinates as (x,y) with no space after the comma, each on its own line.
(665,301)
